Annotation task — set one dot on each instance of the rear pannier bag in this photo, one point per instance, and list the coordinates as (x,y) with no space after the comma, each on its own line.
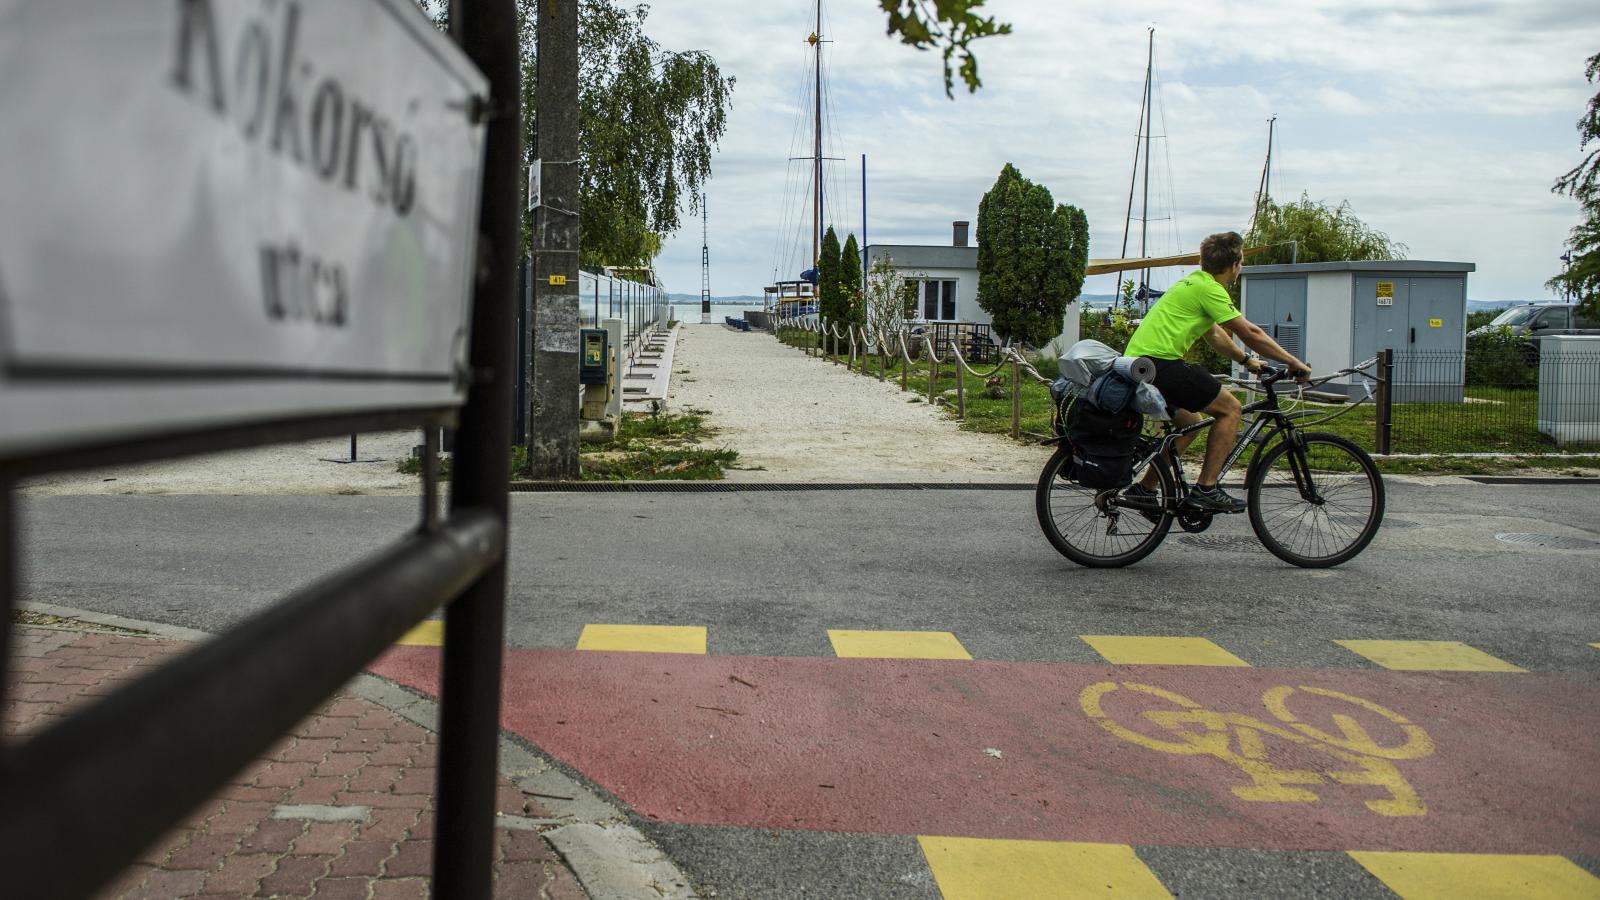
(1102,444)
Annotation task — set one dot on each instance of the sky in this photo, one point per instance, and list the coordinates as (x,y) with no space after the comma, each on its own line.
(1442,122)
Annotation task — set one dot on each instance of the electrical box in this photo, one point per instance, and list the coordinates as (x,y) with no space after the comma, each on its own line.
(595,347)
(1336,314)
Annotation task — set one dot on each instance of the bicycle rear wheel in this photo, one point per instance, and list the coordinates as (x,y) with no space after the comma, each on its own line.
(1094,528)
(1318,507)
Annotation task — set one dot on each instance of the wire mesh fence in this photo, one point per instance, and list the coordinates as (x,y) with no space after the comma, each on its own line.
(1502,397)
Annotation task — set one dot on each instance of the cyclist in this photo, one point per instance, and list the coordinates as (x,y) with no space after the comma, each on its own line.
(1196,307)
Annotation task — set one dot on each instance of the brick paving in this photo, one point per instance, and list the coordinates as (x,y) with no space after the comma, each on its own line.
(247,840)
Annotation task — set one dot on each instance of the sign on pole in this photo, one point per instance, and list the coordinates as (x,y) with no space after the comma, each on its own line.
(217,212)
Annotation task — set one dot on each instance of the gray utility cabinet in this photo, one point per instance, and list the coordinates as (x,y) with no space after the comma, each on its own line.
(1336,314)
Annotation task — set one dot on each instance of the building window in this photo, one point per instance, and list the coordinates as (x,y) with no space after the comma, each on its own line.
(937,300)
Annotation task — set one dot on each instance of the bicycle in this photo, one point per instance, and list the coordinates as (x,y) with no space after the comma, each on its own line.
(1315,499)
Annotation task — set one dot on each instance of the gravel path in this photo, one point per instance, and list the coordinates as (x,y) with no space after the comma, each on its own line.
(802,419)
(793,418)
(297,468)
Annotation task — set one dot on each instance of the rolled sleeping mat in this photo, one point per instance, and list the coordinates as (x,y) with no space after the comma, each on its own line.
(1138,368)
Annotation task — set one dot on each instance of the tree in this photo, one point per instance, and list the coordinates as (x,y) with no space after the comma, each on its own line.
(888,299)
(947,25)
(649,121)
(1581,279)
(829,302)
(1321,233)
(1031,257)
(850,281)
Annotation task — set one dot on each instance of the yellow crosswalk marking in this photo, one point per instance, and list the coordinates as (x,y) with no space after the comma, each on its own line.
(981,869)
(1479,876)
(429,633)
(1429,656)
(1160,651)
(897,644)
(644,638)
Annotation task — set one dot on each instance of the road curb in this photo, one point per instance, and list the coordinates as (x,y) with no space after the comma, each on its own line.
(611,858)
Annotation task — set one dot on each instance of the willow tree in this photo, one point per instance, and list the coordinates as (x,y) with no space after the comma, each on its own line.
(1309,231)
(1032,253)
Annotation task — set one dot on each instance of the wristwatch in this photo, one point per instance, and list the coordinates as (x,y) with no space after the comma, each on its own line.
(1249,355)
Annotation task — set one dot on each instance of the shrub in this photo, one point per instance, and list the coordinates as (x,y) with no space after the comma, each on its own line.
(1502,359)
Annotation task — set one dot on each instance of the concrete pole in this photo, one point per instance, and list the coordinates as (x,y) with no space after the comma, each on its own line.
(553,398)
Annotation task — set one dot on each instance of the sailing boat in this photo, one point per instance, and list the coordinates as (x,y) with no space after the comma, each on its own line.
(798,296)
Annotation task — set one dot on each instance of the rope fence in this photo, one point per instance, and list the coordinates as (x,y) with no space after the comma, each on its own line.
(860,342)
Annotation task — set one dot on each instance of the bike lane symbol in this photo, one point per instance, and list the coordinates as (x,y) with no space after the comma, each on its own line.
(1353,757)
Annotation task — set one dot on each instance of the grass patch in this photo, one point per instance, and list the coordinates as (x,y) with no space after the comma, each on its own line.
(648,447)
(1493,419)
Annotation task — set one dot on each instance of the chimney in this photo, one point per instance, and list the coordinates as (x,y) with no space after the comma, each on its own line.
(960,233)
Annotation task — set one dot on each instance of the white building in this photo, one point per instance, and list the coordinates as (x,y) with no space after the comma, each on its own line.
(946,279)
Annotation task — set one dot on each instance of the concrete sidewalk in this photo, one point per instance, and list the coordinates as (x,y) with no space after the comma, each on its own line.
(342,807)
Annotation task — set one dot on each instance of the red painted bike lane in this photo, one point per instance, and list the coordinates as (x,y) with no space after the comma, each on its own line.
(1290,759)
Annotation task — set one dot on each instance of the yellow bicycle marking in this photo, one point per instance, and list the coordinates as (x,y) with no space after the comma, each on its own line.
(1241,741)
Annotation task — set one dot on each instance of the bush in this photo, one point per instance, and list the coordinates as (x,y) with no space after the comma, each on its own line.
(1502,359)
(1481,318)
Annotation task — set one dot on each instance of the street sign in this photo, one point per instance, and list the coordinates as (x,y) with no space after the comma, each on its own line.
(229,212)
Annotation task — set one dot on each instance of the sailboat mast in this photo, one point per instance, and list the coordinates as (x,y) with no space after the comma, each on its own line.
(816,162)
(1144,217)
(1264,190)
(1133,177)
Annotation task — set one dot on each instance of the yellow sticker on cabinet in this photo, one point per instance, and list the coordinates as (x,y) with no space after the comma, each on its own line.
(1435,323)
(1385,289)
(558,279)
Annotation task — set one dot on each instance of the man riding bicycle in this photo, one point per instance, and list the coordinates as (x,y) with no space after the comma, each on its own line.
(1196,307)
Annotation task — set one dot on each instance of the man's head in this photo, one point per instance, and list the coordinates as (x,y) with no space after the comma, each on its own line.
(1221,254)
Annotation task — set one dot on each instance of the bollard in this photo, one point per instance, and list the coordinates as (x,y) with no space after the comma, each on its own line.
(1016,399)
(933,374)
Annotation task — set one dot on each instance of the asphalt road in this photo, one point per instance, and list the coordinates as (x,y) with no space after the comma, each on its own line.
(768,574)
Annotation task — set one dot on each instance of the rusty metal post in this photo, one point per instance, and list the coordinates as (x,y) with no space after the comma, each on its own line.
(1385,403)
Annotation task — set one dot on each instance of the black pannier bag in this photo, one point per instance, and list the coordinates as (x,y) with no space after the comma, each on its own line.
(1103,444)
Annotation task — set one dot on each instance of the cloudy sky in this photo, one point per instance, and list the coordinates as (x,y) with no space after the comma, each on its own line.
(1442,122)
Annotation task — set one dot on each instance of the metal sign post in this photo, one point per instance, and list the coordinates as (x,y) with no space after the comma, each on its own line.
(270,213)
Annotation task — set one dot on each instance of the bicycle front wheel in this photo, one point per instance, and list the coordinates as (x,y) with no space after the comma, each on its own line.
(1317,505)
(1097,528)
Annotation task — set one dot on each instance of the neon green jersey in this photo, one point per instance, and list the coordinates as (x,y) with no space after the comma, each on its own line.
(1185,312)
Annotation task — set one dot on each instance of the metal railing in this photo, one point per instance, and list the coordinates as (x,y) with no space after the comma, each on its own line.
(80,800)
(1487,399)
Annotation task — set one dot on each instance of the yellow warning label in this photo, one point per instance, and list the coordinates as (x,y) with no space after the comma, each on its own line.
(1435,323)
(1385,289)
(558,279)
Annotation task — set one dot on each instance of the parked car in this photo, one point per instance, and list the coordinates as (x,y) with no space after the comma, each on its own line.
(1534,321)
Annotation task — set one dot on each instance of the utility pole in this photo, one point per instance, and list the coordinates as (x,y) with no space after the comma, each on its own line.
(705,263)
(553,394)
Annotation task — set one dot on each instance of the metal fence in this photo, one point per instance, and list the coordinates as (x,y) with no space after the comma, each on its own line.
(1504,397)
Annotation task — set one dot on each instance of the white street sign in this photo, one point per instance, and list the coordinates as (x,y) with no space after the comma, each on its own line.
(225,211)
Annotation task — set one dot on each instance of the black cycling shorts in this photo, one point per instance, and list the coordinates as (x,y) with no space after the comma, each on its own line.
(1185,385)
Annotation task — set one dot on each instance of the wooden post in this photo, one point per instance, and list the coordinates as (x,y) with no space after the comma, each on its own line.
(1016,399)
(933,374)
(961,388)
